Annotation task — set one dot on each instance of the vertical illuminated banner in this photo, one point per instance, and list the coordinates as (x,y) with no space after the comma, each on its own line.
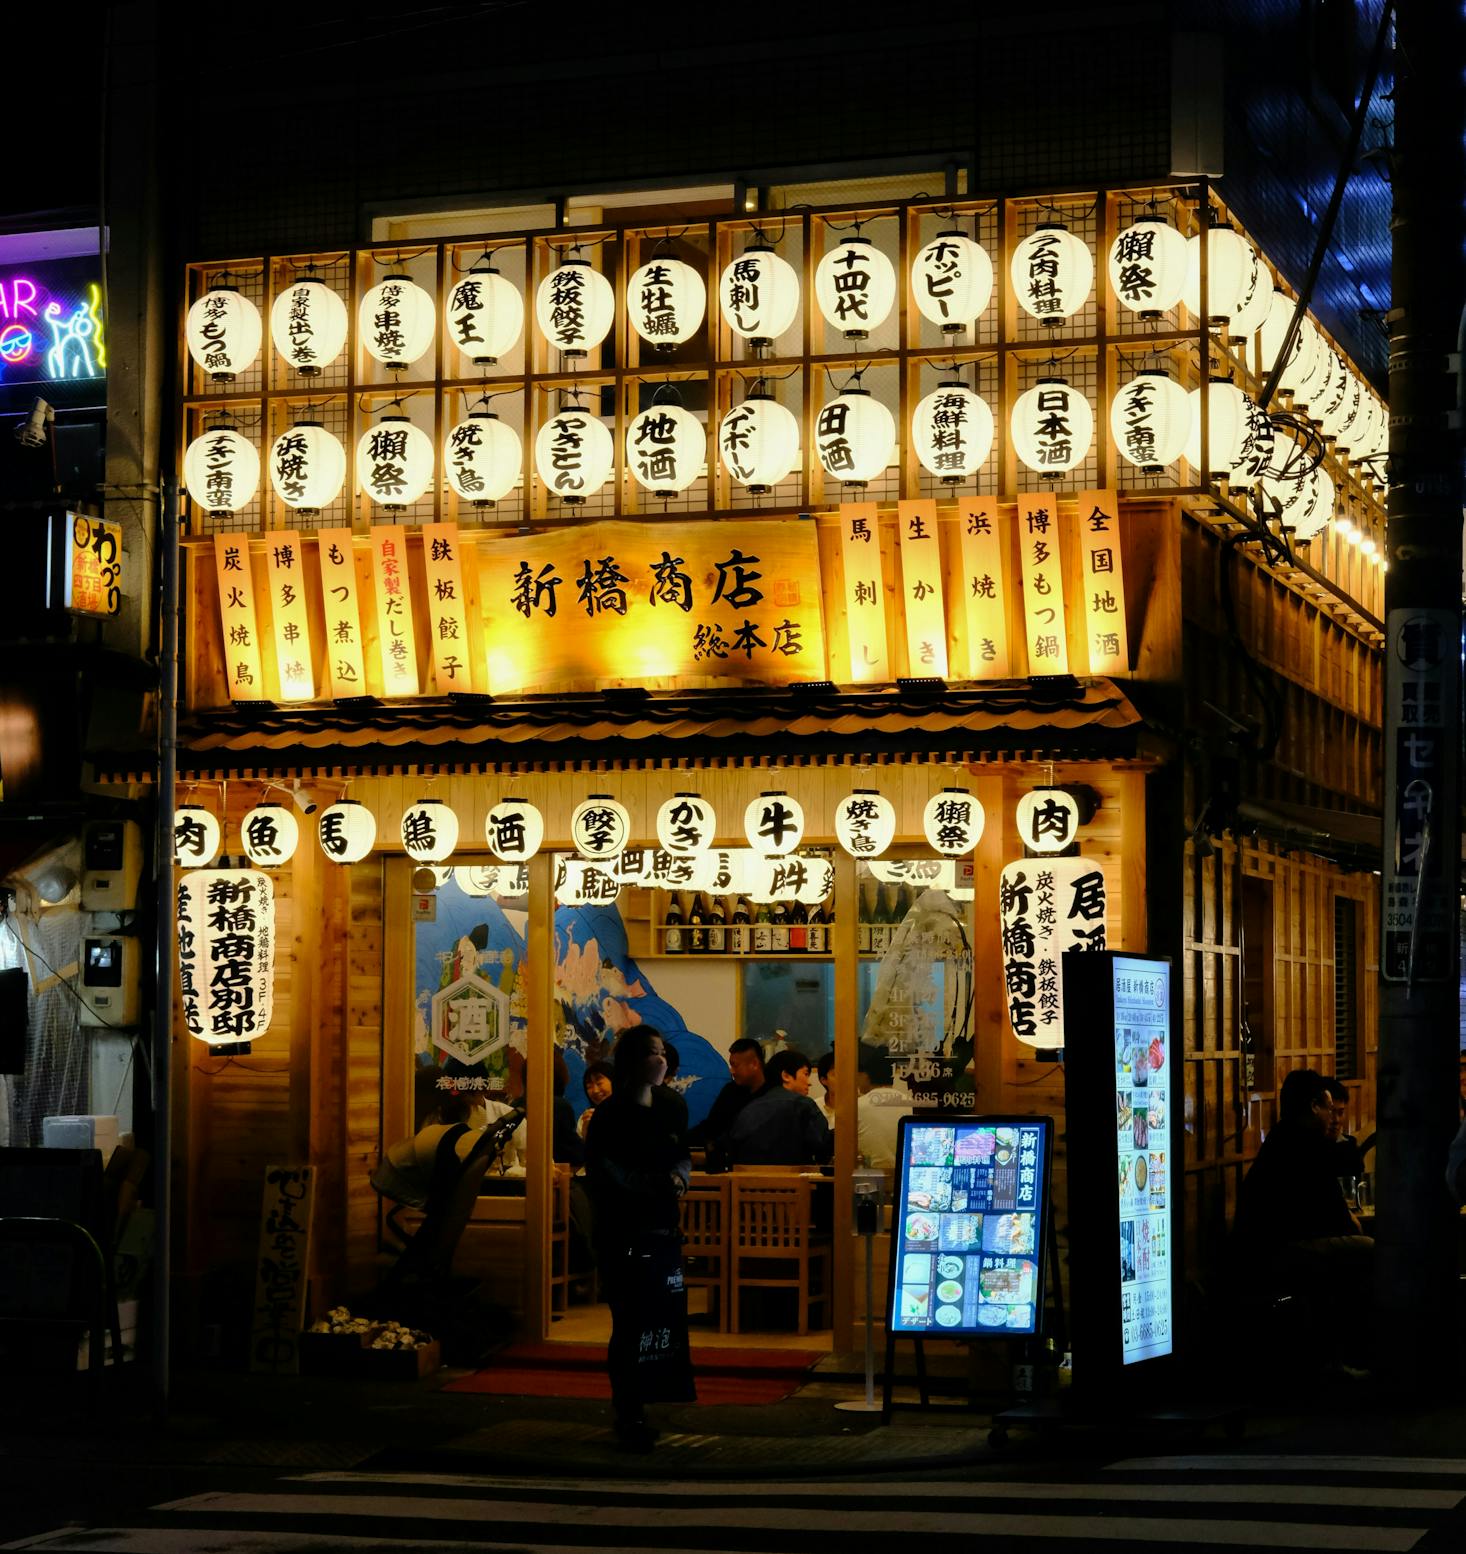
(447,610)
(237,607)
(1043,584)
(865,592)
(394,611)
(1104,583)
(922,603)
(345,657)
(983,534)
(288,613)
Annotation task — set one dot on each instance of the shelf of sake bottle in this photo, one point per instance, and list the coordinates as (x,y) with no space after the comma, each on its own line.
(739,955)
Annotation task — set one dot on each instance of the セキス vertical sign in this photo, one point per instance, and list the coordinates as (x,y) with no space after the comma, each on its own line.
(288,613)
(447,611)
(921,589)
(1043,584)
(982,534)
(865,592)
(345,655)
(237,609)
(1104,583)
(394,611)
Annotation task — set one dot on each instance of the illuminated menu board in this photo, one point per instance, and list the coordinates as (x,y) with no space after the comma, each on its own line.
(1143,1092)
(967,1229)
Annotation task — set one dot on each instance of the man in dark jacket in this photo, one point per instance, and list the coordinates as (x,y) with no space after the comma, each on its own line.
(746,1067)
(780,1125)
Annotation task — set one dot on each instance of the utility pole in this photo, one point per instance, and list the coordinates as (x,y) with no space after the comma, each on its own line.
(1418,1075)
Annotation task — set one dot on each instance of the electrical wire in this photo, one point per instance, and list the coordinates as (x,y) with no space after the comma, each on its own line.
(62,981)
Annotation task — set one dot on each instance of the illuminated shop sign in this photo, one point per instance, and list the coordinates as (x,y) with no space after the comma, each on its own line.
(51,324)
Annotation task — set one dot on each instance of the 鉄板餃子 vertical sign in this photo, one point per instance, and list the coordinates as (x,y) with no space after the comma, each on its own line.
(291,623)
(237,612)
(1104,583)
(865,592)
(922,601)
(340,595)
(447,609)
(394,611)
(983,535)
(1043,584)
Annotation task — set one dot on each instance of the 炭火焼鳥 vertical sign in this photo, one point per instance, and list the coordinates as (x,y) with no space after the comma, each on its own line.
(922,603)
(1043,584)
(394,611)
(982,535)
(447,609)
(237,609)
(1104,583)
(865,592)
(339,594)
(288,614)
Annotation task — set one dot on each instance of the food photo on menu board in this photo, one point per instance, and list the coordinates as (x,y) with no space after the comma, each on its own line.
(968,1226)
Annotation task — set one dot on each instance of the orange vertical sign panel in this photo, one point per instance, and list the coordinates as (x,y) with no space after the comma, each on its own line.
(1104,583)
(983,535)
(865,592)
(453,654)
(394,611)
(922,604)
(288,612)
(345,655)
(237,607)
(1043,584)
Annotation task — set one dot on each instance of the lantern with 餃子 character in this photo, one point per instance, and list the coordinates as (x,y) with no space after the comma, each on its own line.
(575,308)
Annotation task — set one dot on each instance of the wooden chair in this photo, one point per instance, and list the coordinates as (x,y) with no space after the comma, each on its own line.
(774,1246)
(705,1223)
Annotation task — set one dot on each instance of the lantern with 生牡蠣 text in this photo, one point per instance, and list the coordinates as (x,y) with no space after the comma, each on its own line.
(666,301)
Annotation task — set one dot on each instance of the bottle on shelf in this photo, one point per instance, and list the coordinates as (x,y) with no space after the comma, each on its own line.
(819,930)
(798,927)
(778,929)
(673,942)
(740,934)
(697,926)
(717,927)
(763,930)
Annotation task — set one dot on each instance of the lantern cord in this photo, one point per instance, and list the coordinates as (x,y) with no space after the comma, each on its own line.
(767,377)
(579,243)
(32,953)
(485,398)
(856,374)
(483,254)
(397,399)
(317,263)
(398,257)
(1021,1084)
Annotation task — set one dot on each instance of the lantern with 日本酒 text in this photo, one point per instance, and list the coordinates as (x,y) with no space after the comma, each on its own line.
(1052,427)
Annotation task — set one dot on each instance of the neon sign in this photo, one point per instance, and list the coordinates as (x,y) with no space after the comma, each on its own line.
(51,326)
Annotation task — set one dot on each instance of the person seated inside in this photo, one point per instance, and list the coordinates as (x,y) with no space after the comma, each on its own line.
(1348,1157)
(879,1108)
(566,1145)
(825,1069)
(780,1125)
(746,1066)
(597,1082)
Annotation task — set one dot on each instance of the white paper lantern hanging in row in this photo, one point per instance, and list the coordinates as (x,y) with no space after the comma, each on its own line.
(1330,406)
(429,830)
(855,437)
(865,823)
(270,834)
(666,449)
(952,281)
(1150,420)
(580,882)
(1301,360)
(758,295)
(221,470)
(758,442)
(575,308)
(1240,440)
(483,315)
(395,322)
(774,824)
(1147,265)
(394,462)
(1052,427)
(599,826)
(791,878)
(574,454)
(1305,499)
(666,301)
(686,824)
(223,331)
(196,836)
(1239,292)
(514,830)
(952,432)
(1052,272)
(1047,820)
(855,287)
(952,822)
(346,830)
(482,458)
(1354,417)
(719,870)
(307,467)
(308,324)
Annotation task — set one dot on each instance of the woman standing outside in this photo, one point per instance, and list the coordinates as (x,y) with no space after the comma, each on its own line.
(638,1167)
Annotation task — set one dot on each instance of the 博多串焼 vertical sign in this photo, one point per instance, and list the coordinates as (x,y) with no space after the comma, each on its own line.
(922,603)
(865,592)
(1043,584)
(394,611)
(447,609)
(982,534)
(288,614)
(1104,583)
(237,609)
(345,655)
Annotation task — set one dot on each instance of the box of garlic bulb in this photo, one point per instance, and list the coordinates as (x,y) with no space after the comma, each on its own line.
(333,1346)
(398,1353)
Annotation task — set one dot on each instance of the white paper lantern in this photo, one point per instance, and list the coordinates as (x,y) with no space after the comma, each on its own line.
(774,824)
(1150,420)
(599,826)
(226,917)
(1272,333)
(855,437)
(797,877)
(1047,820)
(1328,407)
(666,301)
(666,449)
(308,325)
(574,454)
(394,462)
(221,470)
(818,884)
(1254,302)
(581,883)
(855,287)
(1046,906)
(196,836)
(719,870)
(1147,265)
(346,830)
(1240,441)
(952,431)
(575,308)
(952,281)
(1052,272)
(865,823)
(758,442)
(1354,418)
(270,833)
(307,467)
(1052,427)
(1306,500)
(758,294)
(224,331)
(1316,365)
(429,830)
(483,315)
(952,822)
(686,824)
(514,830)
(395,322)
(1231,273)
(482,458)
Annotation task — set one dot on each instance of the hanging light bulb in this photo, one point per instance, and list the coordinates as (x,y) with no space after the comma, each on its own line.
(865,823)
(429,830)
(1231,273)
(666,301)
(599,826)
(270,834)
(1147,265)
(759,442)
(758,295)
(483,315)
(1150,420)
(308,325)
(514,830)
(394,462)
(952,822)
(774,824)
(666,449)
(395,322)
(574,454)
(307,467)
(346,830)
(482,458)
(1240,441)
(221,470)
(854,436)
(952,281)
(686,825)
(952,432)
(855,287)
(1052,273)
(223,330)
(196,836)
(575,308)
(1052,427)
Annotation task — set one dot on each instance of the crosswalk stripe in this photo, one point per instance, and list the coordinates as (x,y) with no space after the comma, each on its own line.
(1280,1463)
